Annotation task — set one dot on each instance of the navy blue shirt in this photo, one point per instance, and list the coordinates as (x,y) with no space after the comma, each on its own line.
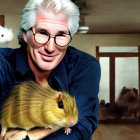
(78,73)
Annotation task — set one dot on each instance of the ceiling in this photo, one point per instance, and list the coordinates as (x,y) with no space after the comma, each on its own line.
(102,16)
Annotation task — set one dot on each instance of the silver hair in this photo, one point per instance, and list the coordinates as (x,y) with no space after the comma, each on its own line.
(28,18)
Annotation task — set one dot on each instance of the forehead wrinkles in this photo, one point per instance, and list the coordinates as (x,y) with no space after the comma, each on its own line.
(52,22)
(50,17)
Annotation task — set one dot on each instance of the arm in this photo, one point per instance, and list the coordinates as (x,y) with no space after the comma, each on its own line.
(6,77)
(41,133)
(36,134)
(85,87)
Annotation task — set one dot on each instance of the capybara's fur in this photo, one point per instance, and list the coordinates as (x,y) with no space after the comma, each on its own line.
(127,102)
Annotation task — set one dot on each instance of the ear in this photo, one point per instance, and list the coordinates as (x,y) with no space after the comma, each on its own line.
(25,36)
(135,90)
(59,98)
(124,87)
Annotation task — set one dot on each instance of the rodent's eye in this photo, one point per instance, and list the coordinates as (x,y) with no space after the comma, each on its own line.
(60,104)
(2,35)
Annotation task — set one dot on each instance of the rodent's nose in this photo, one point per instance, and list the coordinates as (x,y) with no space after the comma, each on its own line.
(71,122)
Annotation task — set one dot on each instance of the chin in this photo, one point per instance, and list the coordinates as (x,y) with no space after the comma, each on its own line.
(47,67)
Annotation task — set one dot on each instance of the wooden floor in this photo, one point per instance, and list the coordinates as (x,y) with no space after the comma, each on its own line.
(117,131)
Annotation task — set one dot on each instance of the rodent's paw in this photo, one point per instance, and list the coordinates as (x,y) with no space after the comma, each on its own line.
(50,126)
(67,130)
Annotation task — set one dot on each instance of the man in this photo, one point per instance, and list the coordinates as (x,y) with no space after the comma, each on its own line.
(45,57)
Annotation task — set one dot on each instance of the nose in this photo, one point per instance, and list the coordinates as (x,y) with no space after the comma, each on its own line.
(71,122)
(50,46)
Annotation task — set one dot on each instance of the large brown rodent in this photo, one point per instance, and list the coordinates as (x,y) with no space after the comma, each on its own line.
(31,105)
(127,102)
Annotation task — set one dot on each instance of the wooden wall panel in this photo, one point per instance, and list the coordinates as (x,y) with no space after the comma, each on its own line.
(2,20)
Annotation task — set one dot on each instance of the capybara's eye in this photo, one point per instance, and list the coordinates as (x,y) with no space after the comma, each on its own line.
(60,104)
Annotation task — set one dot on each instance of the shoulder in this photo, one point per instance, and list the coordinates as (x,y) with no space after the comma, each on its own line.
(9,54)
(83,71)
(73,52)
(7,58)
(6,70)
(79,59)
(6,52)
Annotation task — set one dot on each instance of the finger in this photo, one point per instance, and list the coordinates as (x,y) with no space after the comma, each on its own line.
(19,135)
(8,135)
(15,135)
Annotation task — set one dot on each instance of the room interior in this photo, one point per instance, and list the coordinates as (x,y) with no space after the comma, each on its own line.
(110,31)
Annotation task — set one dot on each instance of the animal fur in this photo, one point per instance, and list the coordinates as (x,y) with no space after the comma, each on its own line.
(31,105)
(6,35)
(127,102)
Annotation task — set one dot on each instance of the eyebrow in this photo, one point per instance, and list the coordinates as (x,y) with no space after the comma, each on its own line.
(59,32)
(63,32)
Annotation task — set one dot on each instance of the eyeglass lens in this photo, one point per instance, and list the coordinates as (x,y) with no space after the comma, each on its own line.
(60,40)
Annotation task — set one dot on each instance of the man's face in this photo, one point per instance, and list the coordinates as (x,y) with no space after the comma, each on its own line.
(47,56)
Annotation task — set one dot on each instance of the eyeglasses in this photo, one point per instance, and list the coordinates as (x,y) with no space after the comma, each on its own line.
(42,37)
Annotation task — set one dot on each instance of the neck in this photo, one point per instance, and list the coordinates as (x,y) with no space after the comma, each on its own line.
(41,76)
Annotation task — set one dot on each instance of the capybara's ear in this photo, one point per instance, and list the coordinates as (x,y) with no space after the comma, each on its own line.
(135,90)
(59,98)
(124,87)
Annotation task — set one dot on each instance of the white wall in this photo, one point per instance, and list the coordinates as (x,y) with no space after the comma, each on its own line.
(13,22)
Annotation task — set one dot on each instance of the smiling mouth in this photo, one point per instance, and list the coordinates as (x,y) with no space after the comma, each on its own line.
(48,58)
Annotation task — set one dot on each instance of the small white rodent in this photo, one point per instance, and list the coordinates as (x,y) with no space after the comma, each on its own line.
(31,105)
(6,35)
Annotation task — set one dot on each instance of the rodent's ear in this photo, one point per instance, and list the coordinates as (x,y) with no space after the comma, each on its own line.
(59,98)
(124,87)
(135,90)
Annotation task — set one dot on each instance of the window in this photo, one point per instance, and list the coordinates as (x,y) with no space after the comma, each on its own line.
(119,67)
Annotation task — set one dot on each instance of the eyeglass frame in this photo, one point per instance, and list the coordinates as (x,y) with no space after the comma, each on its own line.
(51,36)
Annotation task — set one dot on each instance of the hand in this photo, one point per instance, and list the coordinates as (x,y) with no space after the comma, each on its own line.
(14,135)
(40,133)
(35,134)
